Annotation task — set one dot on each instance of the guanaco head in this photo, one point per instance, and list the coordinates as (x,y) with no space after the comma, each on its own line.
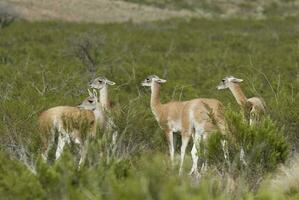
(152,79)
(100,82)
(90,102)
(227,81)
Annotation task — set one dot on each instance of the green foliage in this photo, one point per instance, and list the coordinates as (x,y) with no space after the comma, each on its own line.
(149,176)
(264,145)
(16,181)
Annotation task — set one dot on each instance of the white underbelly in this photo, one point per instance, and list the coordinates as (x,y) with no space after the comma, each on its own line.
(175,126)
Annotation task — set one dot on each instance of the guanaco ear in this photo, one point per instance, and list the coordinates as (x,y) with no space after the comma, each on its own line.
(94,93)
(90,93)
(237,80)
(110,82)
(159,80)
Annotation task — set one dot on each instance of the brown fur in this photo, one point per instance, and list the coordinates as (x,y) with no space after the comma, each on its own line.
(179,112)
(207,111)
(73,119)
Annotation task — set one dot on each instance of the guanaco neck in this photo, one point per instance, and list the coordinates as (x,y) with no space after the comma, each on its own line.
(99,116)
(238,94)
(104,97)
(155,98)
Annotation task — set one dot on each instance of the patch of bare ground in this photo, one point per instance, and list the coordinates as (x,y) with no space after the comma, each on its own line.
(98,11)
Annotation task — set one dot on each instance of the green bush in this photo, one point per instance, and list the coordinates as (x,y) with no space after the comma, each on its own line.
(265,147)
(16,181)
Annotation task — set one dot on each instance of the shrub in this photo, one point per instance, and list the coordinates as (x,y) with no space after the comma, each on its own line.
(265,147)
(16,181)
(7,15)
(88,48)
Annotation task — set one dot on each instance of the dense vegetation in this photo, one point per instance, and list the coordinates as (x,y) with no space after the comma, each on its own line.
(44,64)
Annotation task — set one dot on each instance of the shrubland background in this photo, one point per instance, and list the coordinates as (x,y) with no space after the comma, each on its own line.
(230,8)
(45,64)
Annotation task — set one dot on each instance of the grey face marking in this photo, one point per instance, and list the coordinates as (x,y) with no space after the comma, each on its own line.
(89,103)
(100,82)
(226,81)
(223,84)
(150,79)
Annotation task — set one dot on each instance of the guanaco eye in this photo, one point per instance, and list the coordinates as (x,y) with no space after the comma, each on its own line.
(223,80)
(100,81)
(90,101)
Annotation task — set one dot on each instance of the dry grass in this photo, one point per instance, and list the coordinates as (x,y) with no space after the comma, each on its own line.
(99,11)
(109,11)
(287,180)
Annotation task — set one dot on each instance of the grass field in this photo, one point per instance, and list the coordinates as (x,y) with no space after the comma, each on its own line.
(42,65)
